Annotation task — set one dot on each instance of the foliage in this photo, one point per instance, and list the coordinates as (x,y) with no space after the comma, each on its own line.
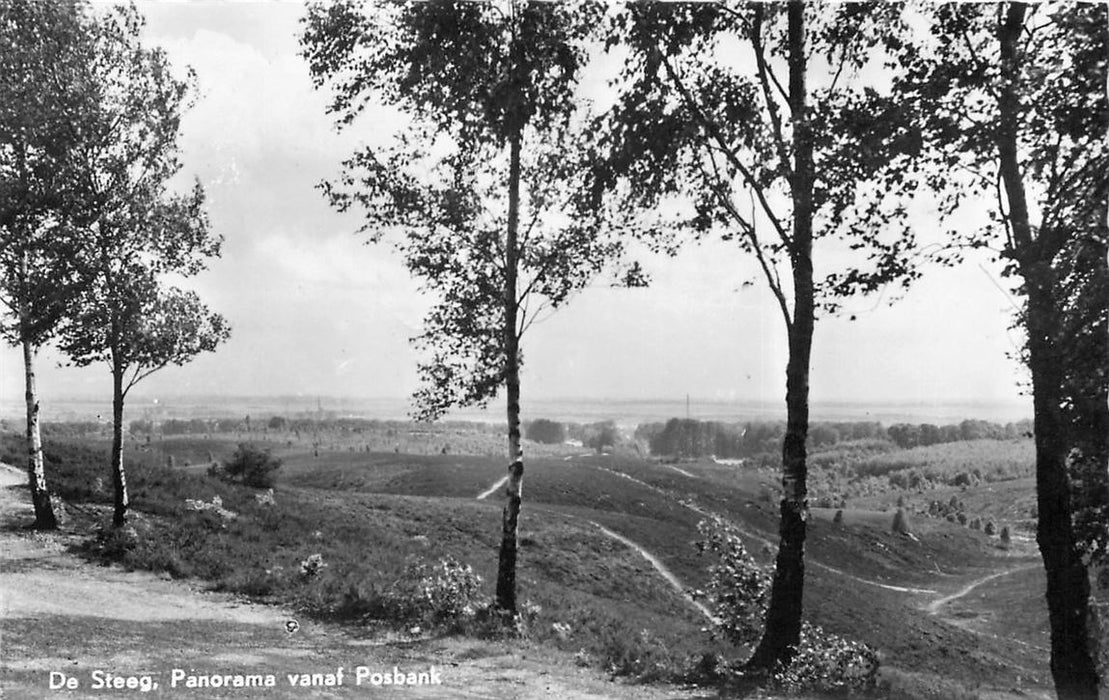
(474,79)
(738,590)
(1034,144)
(252,465)
(46,49)
(599,436)
(826,662)
(143,329)
(719,132)
(447,590)
(773,170)
(548,432)
(135,230)
(312,565)
(905,435)
(901,522)
(953,464)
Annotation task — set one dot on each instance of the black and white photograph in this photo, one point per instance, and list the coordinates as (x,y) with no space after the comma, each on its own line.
(554,349)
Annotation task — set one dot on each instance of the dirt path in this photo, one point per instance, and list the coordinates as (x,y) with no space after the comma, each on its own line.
(492,489)
(933,607)
(764,541)
(654,561)
(63,618)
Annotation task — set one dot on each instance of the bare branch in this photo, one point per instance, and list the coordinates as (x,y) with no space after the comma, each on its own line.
(749,231)
(771,102)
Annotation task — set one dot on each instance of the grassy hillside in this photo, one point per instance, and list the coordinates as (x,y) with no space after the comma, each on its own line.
(372,518)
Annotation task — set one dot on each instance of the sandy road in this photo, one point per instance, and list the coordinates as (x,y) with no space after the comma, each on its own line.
(62,615)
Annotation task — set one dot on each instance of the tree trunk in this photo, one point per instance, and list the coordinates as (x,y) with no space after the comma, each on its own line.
(783,617)
(1073,666)
(506,567)
(36,472)
(119,478)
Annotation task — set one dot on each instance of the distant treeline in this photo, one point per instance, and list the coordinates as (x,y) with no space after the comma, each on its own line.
(596,436)
(301,424)
(693,438)
(680,437)
(906,435)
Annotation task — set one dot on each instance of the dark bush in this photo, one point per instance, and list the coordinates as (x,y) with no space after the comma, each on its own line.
(901,522)
(548,432)
(253,466)
(602,435)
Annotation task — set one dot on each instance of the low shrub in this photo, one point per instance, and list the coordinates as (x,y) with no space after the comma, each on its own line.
(826,662)
(738,588)
(252,466)
(448,590)
(739,592)
(901,522)
(545,431)
(642,657)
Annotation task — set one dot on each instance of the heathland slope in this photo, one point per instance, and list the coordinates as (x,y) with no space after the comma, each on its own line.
(606,555)
(62,618)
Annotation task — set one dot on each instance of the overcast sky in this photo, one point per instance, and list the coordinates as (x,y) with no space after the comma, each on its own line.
(315,311)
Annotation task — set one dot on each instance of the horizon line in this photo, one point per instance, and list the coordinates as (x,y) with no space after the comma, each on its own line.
(946,401)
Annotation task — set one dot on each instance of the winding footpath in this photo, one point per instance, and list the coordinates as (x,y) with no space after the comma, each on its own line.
(763,540)
(666,574)
(933,607)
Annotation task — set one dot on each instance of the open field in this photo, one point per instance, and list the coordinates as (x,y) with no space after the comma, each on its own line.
(597,532)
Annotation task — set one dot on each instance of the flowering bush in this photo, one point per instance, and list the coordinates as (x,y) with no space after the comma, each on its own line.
(738,589)
(828,662)
(216,506)
(312,566)
(738,594)
(449,589)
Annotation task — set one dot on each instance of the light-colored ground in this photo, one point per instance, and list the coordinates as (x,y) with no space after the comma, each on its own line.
(61,615)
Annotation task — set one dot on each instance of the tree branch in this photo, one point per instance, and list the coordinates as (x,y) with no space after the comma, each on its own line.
(714,133)
(771,103)
(748,229)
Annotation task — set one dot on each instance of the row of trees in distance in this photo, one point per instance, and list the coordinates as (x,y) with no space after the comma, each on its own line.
(800,132)
(692,438)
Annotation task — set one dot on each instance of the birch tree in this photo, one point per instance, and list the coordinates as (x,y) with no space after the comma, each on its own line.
(480,184)
(1012,100)
(135,231)
(739,110)
(41,102)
